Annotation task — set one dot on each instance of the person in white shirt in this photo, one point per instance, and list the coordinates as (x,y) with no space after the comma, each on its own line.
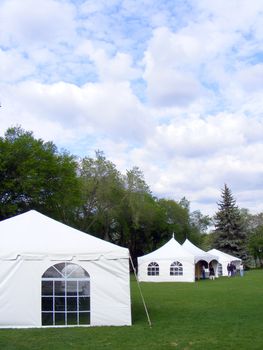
(241,270)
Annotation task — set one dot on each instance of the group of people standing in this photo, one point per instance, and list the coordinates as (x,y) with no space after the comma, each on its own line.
(231,269)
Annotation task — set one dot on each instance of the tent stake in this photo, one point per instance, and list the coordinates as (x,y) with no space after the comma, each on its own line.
(139,287)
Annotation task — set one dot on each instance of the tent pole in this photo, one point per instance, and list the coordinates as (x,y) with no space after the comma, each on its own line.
(139,287)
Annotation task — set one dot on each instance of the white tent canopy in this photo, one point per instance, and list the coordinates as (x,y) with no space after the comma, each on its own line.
(198,253)
(201,257)
(169,263)
(35,249)
(35,235)
(224,259)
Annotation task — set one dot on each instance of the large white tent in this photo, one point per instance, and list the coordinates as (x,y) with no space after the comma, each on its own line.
(54,275)
(169,263)
(202,258)
(224,259)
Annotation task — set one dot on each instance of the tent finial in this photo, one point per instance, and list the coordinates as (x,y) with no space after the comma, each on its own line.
(173,234)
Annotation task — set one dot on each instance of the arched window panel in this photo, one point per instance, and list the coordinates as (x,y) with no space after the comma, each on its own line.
(176,269)
(220,269)
(74,271)
(65,295)
(153,269)
(65,270)
(52,272)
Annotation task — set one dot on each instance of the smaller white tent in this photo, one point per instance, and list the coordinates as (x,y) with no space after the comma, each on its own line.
(169,263)
(224,259)
(202,258)
(54,275)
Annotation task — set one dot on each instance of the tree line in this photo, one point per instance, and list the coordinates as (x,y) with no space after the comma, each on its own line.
(91,195)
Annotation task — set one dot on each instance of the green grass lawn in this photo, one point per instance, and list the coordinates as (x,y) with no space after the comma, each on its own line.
(223,314)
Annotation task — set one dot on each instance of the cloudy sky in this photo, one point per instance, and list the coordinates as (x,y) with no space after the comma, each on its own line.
(174,87)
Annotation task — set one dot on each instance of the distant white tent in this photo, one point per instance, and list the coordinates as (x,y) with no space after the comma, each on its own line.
(225,259)
(54,275)
(170,263)
(202,258)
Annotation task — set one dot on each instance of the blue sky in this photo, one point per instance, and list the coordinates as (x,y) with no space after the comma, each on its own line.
(174,87)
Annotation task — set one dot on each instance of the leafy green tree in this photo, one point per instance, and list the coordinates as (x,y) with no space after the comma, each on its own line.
(252,221)
(34,175)
(137,211)
(230,235)
(200,222)
(207,241)
(102,192)
(176,219)
(185,203)
(255,244)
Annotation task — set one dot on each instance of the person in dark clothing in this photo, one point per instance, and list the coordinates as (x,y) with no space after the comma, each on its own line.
(211,273)
(203,272)
(232,269)
(228,270)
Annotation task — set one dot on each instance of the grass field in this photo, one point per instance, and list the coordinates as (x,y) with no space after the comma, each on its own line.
(222,314)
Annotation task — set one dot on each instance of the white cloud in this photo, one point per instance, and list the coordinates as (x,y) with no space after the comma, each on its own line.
(177,92)
(170,87)
(13,66)
(38,23)
(105,109)
(169,82)
(194,158)
(250,78)
(116,68)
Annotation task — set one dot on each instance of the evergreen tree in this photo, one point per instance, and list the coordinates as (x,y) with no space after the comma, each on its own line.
(230,236)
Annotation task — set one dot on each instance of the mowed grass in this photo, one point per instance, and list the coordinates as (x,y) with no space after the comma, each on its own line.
(223,314)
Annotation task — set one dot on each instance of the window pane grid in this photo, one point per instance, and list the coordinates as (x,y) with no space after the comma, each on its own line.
(176,269)
(153,269)
(54,267)
(66,300)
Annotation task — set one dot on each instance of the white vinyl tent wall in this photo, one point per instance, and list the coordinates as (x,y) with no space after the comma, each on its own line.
(224,259)
(171,252)
(31,243)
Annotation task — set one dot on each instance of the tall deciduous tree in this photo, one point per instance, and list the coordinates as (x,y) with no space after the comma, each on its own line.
(230,236)
(200,222)
(255,244)
(137,211)
(102,193)
(34,175)
(176,220)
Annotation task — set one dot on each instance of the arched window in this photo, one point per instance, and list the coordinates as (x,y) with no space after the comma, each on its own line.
(176,269)
(65,295)
(153,269)
(220,269)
